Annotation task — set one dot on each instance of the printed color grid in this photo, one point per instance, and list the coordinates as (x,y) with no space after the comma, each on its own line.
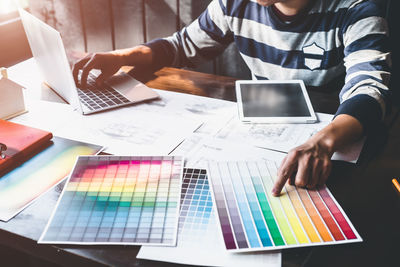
(199,240)
(196,206)
(119,200)
(252,219)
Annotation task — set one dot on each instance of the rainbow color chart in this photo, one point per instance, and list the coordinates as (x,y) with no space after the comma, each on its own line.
(24,184)
(118,200)
(252,219)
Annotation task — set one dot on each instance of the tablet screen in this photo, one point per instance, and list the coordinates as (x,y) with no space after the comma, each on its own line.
(273,100)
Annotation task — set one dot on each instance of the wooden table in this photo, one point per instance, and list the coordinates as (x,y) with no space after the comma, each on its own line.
(364,191)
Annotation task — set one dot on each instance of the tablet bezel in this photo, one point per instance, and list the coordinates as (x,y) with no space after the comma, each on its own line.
(308,119)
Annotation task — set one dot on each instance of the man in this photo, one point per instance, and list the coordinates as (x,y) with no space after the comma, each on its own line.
(318,41)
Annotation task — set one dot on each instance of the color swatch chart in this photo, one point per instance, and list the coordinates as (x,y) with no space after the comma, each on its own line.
(199,240)
(119,200)
(196,202)
(252,219)
(25,183)
(198,229)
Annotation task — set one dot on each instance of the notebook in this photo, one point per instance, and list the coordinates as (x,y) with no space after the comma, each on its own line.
(21,141)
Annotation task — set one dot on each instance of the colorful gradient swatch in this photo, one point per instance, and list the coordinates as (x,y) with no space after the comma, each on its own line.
(118,200)
(198,231)
(21,186)
(252,219)
(199,240)
(196,202)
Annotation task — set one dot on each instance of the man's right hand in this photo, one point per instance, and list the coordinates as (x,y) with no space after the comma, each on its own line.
(109,63)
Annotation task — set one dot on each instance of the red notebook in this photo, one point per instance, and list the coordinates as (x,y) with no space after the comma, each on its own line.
(21,141)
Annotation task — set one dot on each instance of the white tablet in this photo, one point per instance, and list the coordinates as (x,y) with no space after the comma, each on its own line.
(273,101)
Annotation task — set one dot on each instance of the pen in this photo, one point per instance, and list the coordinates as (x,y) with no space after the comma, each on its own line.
(3,148)
(396,184)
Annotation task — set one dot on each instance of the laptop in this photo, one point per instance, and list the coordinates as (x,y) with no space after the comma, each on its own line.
(48,50)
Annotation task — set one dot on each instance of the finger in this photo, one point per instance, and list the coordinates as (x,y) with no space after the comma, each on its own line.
(290,179)
(77,66)
(315,174)
(287,169)
(325,172)
(101,78)
(303,173)
(86,69)
(282,164)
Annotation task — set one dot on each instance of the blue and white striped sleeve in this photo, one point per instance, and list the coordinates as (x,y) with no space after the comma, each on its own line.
(366,94)
(202,40)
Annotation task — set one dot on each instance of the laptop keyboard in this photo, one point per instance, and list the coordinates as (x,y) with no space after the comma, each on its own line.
(96,97)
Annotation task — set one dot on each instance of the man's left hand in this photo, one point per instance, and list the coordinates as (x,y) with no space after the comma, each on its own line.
(308,165)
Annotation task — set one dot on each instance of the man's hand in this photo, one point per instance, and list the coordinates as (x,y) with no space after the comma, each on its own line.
(309,165)
(109,63)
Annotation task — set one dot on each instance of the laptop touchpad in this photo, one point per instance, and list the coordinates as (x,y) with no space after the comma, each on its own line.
(131,88)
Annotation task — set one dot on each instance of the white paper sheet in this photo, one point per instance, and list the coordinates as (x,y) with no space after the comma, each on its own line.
(122,131)
(280,137)
(198,152)
(132,132)
(284,137)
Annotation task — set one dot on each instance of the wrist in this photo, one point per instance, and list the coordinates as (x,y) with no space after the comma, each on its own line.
(343,130)
(138,55)
(120,57)
(326,139)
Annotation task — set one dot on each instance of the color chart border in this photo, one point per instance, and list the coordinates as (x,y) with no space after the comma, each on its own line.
(40,241)
(279,247)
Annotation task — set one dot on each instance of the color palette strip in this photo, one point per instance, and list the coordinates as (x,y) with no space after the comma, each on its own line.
(252,219)
(21,186)
(196,204)
(198,231)
(119,200)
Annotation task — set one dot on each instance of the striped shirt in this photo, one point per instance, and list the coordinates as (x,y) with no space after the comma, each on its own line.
(329,40)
